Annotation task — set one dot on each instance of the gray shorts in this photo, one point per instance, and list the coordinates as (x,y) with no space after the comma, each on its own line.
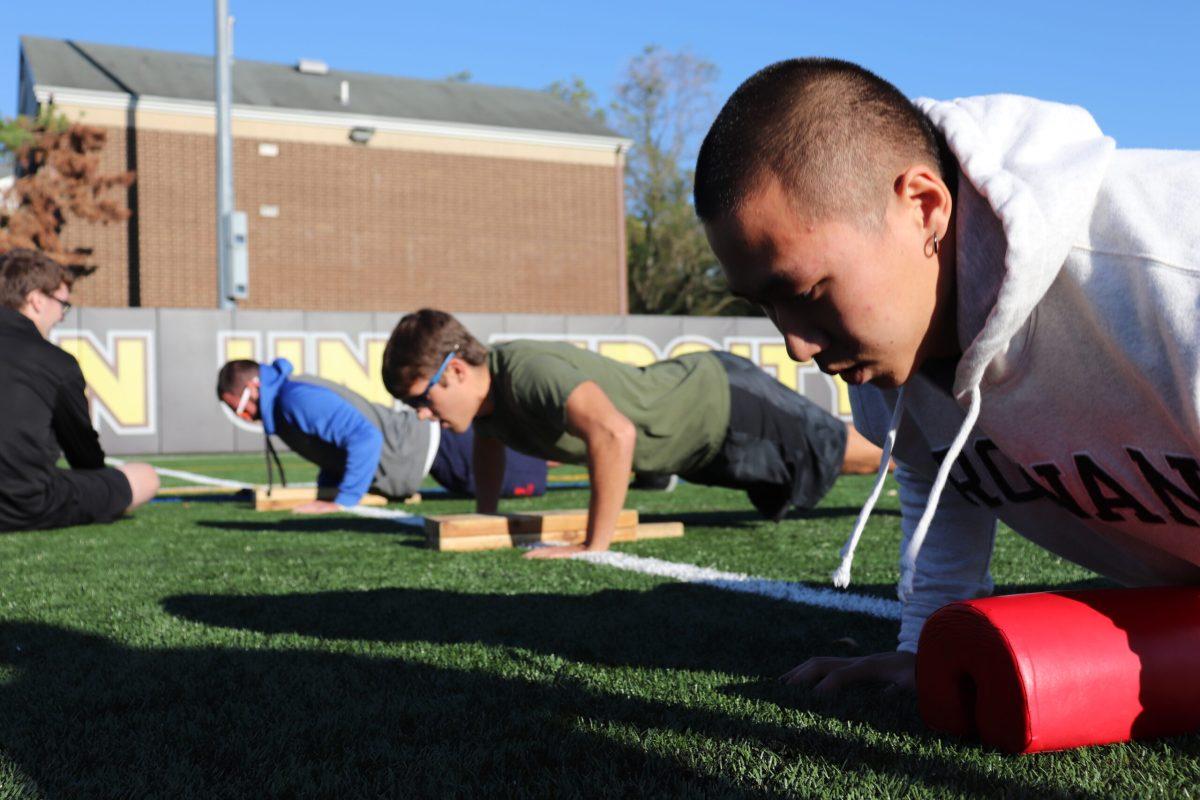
(781,448)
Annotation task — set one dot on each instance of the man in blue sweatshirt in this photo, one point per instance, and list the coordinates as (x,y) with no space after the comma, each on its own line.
(359,446)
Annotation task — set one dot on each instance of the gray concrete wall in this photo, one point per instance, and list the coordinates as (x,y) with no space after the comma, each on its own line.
(152,372)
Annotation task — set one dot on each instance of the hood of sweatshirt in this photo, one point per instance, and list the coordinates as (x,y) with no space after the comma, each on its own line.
(1038,166)
(270,378)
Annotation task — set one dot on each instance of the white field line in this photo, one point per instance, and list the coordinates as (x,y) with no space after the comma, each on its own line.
(195,477)
(835,599)
(206,480)
(748,584)
(399,517)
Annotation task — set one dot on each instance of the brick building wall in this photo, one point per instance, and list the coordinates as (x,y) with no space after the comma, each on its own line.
(365,228)
(109,285)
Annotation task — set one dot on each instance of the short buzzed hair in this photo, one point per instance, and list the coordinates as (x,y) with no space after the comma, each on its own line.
(23,271)
(833,133)
(419,344)
(234,376)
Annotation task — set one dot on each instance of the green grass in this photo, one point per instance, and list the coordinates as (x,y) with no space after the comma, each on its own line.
(199,649)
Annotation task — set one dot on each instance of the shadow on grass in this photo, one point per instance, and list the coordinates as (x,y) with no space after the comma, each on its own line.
(849,512)
(189,499)
(317,524)
(1025,588)
(707,519)
(749,518)
(672,626)
(881,707)
(85,716)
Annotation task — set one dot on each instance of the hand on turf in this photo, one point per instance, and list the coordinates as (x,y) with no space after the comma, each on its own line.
(555,552)
(317,507)
(833,674)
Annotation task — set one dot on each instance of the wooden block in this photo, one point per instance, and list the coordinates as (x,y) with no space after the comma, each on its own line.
(568,520)
(488,535)
(446,525)
(285,497)
(575,520)
(659,530)
(569,477)
(466,544)
(187,491)
(503,541)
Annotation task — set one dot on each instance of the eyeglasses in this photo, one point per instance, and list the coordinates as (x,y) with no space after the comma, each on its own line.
(422,400)
(66,306)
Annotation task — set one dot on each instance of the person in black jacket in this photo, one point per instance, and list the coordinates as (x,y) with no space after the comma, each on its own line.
(43,411)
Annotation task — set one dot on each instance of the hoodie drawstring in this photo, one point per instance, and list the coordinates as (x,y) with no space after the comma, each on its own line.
(268,453)
(841,576)
(908,563)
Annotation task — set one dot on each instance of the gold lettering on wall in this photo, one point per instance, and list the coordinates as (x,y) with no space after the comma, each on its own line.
(120,377)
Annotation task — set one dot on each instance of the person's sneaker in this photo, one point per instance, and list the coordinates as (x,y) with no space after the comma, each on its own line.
(654,481)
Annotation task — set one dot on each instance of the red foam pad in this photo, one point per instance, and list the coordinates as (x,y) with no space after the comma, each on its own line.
(1054,670)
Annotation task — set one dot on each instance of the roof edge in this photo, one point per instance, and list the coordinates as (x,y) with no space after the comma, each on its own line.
(462,130)
(334,72)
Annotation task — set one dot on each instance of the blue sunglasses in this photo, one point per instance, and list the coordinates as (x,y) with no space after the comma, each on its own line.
(422,400)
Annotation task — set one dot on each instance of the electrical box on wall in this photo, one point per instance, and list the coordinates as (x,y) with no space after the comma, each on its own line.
(239,257)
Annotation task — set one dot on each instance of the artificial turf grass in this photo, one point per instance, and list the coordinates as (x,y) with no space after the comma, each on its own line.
(202,649)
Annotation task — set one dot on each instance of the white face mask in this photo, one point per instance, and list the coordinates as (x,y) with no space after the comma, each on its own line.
(244,401)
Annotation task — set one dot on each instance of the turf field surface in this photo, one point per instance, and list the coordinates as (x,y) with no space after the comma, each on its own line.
(200,649)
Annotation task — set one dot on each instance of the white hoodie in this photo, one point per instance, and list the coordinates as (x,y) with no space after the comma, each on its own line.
(1078,270)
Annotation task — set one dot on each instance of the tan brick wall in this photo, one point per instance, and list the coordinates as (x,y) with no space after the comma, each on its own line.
(361,228)
(109,284)
(177,230)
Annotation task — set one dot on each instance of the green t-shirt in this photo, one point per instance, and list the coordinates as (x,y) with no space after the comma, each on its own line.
(680,407)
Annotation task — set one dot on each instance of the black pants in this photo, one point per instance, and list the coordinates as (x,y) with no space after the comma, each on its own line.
(524,476)
(75,497)
(781,448)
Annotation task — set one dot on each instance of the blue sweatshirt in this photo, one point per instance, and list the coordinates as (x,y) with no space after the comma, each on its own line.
(322,427)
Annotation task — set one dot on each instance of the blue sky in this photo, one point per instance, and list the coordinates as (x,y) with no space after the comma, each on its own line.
(1134,66)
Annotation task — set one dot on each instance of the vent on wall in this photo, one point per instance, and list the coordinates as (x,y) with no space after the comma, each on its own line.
(311,66)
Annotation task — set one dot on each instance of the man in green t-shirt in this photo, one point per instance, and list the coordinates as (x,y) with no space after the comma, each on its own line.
(713,418)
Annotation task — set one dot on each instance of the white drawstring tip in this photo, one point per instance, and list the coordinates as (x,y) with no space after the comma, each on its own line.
(841,576)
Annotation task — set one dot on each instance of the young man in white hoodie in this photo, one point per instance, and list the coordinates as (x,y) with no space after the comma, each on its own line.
(1013,301)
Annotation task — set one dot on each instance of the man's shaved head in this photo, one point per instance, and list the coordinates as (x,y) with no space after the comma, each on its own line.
(832,133)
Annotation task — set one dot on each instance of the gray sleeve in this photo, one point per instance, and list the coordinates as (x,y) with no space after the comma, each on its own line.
(872,412)
(953,562)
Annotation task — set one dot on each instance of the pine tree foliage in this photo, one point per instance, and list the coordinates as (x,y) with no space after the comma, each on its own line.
(57,178)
